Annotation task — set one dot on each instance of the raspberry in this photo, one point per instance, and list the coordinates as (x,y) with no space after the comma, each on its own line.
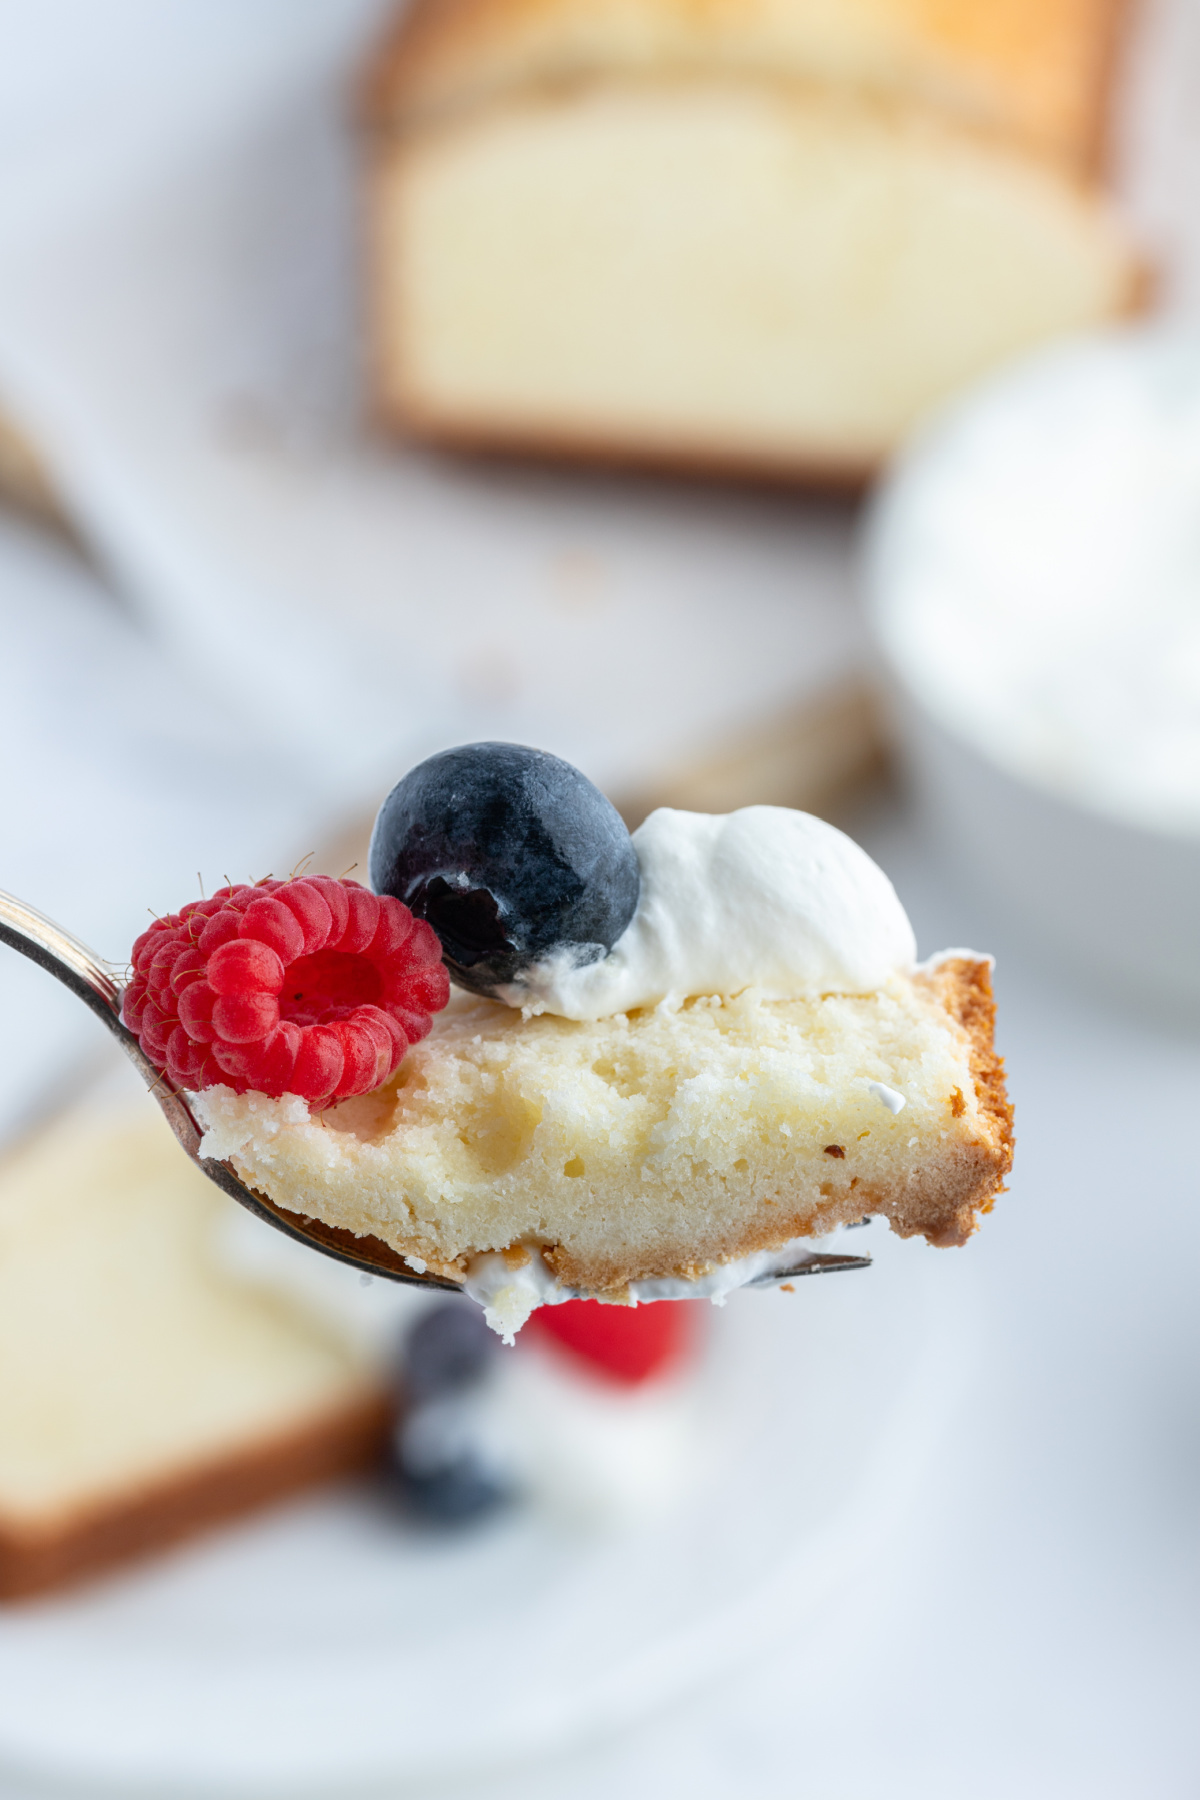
(626,1343)
(313,987)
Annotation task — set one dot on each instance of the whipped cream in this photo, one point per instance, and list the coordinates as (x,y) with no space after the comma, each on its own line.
(592,1455)
(765,897)
(887,1096)
(1035,574)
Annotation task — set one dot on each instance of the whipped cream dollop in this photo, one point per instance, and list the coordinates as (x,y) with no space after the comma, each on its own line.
(765,897)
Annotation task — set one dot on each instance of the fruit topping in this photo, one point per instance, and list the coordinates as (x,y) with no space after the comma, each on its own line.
(438,1461)
(312,987)
(625,1343)
(511,855)
(450,1347)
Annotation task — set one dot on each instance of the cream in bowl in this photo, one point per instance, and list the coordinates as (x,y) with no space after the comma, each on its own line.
(1034,576)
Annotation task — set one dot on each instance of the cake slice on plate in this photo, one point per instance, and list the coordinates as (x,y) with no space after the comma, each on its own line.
(147,1393)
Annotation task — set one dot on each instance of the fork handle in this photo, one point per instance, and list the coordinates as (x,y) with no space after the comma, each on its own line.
(96,983)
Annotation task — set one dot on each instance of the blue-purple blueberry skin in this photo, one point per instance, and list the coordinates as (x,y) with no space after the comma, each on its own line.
(445,1354)
(511,854)
(450,1347)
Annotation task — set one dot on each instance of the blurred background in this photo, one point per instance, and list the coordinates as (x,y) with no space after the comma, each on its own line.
(778,401)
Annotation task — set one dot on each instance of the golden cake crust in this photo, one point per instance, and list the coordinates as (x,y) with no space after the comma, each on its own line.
(1036,71)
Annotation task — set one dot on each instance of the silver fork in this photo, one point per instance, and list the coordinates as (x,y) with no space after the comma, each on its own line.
(99,985)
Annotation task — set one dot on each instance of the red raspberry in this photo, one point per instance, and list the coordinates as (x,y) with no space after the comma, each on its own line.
(626,1343)
(313,987)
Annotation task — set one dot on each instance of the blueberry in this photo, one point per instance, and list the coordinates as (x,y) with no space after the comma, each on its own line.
(458,1493)
(438,1466)
(449,1348)
(511,854)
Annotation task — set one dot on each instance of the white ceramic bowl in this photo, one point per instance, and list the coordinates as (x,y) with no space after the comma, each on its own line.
(1033,573)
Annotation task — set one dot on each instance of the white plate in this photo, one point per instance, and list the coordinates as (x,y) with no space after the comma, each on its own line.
(327,1649)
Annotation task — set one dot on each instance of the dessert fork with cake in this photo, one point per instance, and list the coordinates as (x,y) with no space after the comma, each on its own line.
(673,1059)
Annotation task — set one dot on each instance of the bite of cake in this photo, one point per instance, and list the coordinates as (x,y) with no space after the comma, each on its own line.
(671,1056)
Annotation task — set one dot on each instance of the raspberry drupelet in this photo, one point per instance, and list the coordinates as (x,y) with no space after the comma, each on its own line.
(312,986)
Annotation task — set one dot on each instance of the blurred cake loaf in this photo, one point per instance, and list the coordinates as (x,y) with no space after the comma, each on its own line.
(758,236)
(145,1392)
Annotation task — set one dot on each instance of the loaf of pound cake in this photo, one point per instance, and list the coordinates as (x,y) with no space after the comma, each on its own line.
(670,1057)
(755,237)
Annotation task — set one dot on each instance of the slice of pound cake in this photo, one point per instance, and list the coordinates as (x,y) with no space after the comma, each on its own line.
(654,1143)
(675,1055)
(147,1391)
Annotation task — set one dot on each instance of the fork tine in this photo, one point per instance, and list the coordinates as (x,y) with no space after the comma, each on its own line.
(815,1263)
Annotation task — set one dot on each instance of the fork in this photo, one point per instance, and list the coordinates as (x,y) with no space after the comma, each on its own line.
(100,984)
